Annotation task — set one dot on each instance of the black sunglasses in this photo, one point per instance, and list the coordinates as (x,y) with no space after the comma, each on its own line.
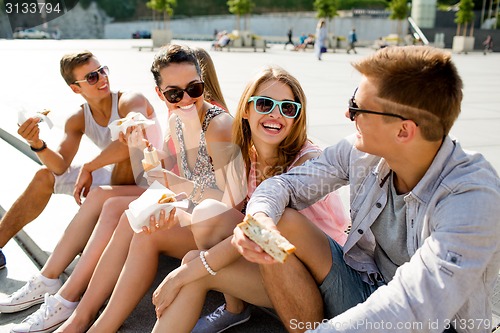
(93,77)
(354,109)
(194,90)
(265,105)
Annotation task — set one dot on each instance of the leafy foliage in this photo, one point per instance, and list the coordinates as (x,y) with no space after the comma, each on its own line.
(240,7)
(119,10)
(465,13)
(162,6)
(326,8)
(366,4)
(399,10)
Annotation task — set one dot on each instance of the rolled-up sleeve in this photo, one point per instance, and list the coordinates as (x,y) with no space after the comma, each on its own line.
(302,186)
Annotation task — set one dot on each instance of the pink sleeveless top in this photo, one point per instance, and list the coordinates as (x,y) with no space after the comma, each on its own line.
(328,213)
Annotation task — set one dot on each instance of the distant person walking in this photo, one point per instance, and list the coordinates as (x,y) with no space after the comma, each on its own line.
(320,43)
(353,38)
(289,35)
(488,44)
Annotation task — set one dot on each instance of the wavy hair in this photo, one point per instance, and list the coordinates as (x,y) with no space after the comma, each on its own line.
(291,145)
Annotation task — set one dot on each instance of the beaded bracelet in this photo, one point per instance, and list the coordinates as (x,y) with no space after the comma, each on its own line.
(207,266)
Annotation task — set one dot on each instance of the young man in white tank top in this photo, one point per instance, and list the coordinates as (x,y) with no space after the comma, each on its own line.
(85,76)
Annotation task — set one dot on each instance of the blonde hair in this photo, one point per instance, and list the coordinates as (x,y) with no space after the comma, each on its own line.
(292,144)
(420,83)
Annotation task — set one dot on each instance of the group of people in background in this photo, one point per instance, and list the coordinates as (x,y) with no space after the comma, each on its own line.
(423,215)
(319,40)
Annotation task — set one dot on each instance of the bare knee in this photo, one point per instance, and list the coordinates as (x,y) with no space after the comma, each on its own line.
(96,194)
(291,222)
(44,179)
(114,206)
(208,223)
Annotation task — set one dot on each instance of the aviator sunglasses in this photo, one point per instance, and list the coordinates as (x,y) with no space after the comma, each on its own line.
(265,105)
(175,95)
(93,77)
(354,109)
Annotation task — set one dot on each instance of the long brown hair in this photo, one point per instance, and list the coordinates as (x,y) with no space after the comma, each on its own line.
(212,91)
(291,145)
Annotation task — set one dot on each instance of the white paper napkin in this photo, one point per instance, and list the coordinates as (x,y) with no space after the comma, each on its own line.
(23,115)
(140,210)
(132,119)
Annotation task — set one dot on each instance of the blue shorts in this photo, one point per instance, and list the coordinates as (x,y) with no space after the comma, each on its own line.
(343,287)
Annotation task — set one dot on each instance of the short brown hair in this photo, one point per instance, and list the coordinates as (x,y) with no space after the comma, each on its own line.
(70,61)
(420,83)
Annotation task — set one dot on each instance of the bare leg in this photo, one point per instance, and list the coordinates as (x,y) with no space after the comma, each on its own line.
(77,233)
(213,222)
(140,270)
(113,208)
(241,279)
(122,174)
(103,280)
(28,206)
(307,268)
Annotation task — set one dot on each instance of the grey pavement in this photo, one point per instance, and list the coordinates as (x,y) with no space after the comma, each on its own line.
(31,80)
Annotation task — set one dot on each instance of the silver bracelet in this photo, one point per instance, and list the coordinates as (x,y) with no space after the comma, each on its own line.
(207,266)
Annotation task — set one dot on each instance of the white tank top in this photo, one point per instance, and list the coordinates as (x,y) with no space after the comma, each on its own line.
(98,134)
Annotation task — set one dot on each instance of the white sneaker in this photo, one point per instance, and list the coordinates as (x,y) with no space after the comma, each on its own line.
(30,294)
(48,318)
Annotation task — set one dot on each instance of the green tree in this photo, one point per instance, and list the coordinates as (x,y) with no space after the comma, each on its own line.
(464,16)
(399,12)
(240,8)
(165,7)
(123,9)
(326,9)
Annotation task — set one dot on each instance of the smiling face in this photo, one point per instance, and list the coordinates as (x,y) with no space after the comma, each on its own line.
(180,75)
(272,128)
(375,132)
(100,89)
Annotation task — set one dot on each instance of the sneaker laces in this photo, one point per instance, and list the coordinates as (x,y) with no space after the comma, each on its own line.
(216,314)
(41,314)
(24,289)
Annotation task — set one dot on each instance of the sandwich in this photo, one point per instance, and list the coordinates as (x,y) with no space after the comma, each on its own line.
(45,112)
(167,198)
(271,241)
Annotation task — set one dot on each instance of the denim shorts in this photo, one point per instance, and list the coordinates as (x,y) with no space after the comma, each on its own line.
(343,287)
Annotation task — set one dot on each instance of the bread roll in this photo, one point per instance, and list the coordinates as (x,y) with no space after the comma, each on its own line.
(166,198)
